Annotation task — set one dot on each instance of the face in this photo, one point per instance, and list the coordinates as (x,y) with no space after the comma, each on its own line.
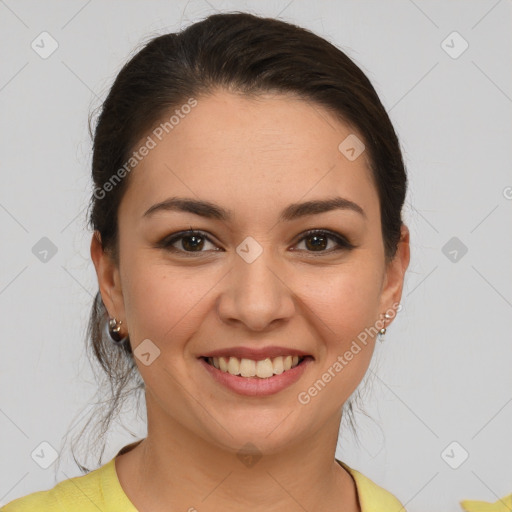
(251,283)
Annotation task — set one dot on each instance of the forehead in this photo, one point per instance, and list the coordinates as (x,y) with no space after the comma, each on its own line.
(250,153)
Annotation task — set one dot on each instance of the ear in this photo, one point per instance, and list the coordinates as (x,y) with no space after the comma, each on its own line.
(394,277)
(109,280)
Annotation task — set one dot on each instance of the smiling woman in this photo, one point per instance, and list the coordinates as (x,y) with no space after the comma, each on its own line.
(240,261)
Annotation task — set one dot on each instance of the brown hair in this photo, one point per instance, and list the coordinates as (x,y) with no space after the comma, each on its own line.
(246,54)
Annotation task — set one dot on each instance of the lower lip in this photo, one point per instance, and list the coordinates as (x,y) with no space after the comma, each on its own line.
(254,386)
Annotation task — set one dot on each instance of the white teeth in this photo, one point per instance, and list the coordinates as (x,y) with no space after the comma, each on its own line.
(233,366)
(223,363)
(278,365)
(249,368)
(265,368)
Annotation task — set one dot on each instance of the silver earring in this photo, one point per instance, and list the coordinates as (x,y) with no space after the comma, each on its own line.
(113,328)
(383,330)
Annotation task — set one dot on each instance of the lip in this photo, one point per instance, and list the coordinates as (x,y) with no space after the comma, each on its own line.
(255,386)
(256,354)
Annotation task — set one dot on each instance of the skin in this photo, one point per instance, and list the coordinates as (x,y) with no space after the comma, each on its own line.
(253,156)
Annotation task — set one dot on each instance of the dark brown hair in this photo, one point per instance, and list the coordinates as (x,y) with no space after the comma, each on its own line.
(244,54)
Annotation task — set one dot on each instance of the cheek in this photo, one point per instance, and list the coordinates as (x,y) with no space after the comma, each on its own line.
(349,307)
(164,304)
(345,299)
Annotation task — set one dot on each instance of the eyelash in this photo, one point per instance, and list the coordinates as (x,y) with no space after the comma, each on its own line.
(166,243)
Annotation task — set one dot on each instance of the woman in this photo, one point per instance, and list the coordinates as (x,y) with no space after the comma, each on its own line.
(249,249)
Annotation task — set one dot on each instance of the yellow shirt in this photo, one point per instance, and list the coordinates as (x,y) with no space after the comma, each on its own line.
(100,490)
(502,505)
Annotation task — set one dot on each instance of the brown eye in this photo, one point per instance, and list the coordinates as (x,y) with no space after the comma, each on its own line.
(318,241)
(191,241)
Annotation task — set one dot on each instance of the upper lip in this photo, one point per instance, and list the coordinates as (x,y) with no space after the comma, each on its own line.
(257,354)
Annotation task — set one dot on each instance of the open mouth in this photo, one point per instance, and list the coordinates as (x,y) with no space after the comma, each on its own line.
(263,369)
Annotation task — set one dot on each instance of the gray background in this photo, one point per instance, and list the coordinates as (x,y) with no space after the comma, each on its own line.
(443,374)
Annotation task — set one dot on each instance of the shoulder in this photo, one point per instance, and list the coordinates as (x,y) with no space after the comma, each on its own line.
(502,505)
(41,500)
(373,497)
(84,493)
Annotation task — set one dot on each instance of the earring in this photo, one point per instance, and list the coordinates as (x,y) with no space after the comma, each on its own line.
(383,330)
(113,328)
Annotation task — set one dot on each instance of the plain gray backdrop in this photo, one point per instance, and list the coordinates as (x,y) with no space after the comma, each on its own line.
(440,386)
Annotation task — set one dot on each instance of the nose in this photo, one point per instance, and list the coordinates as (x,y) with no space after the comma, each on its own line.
(256,294)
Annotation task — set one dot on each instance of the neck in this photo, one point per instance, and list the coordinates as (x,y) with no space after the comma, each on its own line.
(174,467)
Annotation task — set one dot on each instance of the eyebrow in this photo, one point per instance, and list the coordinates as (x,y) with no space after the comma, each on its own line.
(291,212)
